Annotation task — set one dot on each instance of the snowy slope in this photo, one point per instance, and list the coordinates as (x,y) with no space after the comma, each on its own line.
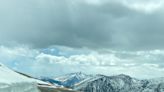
(11,81)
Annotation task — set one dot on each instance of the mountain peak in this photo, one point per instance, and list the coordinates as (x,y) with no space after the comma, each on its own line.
(77,73)
(67,80)
(123,75)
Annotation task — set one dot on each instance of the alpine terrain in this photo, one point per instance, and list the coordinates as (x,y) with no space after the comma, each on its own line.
(120,83)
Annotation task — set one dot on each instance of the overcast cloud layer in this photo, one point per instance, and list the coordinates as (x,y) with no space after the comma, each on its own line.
(92,36)
(114,24)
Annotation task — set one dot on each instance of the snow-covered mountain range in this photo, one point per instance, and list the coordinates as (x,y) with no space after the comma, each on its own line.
(120,83)
(102,83)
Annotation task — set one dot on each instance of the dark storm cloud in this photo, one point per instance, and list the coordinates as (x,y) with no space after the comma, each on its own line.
(43,23)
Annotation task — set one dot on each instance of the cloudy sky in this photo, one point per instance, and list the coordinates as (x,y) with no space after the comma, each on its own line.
(92,36)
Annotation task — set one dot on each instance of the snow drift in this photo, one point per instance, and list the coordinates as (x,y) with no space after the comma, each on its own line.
(11,81)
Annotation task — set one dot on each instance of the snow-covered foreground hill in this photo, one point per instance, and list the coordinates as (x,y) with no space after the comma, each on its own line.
(11,81)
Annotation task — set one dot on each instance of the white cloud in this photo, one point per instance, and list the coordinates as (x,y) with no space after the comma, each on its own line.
(139,64)
(147,6)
